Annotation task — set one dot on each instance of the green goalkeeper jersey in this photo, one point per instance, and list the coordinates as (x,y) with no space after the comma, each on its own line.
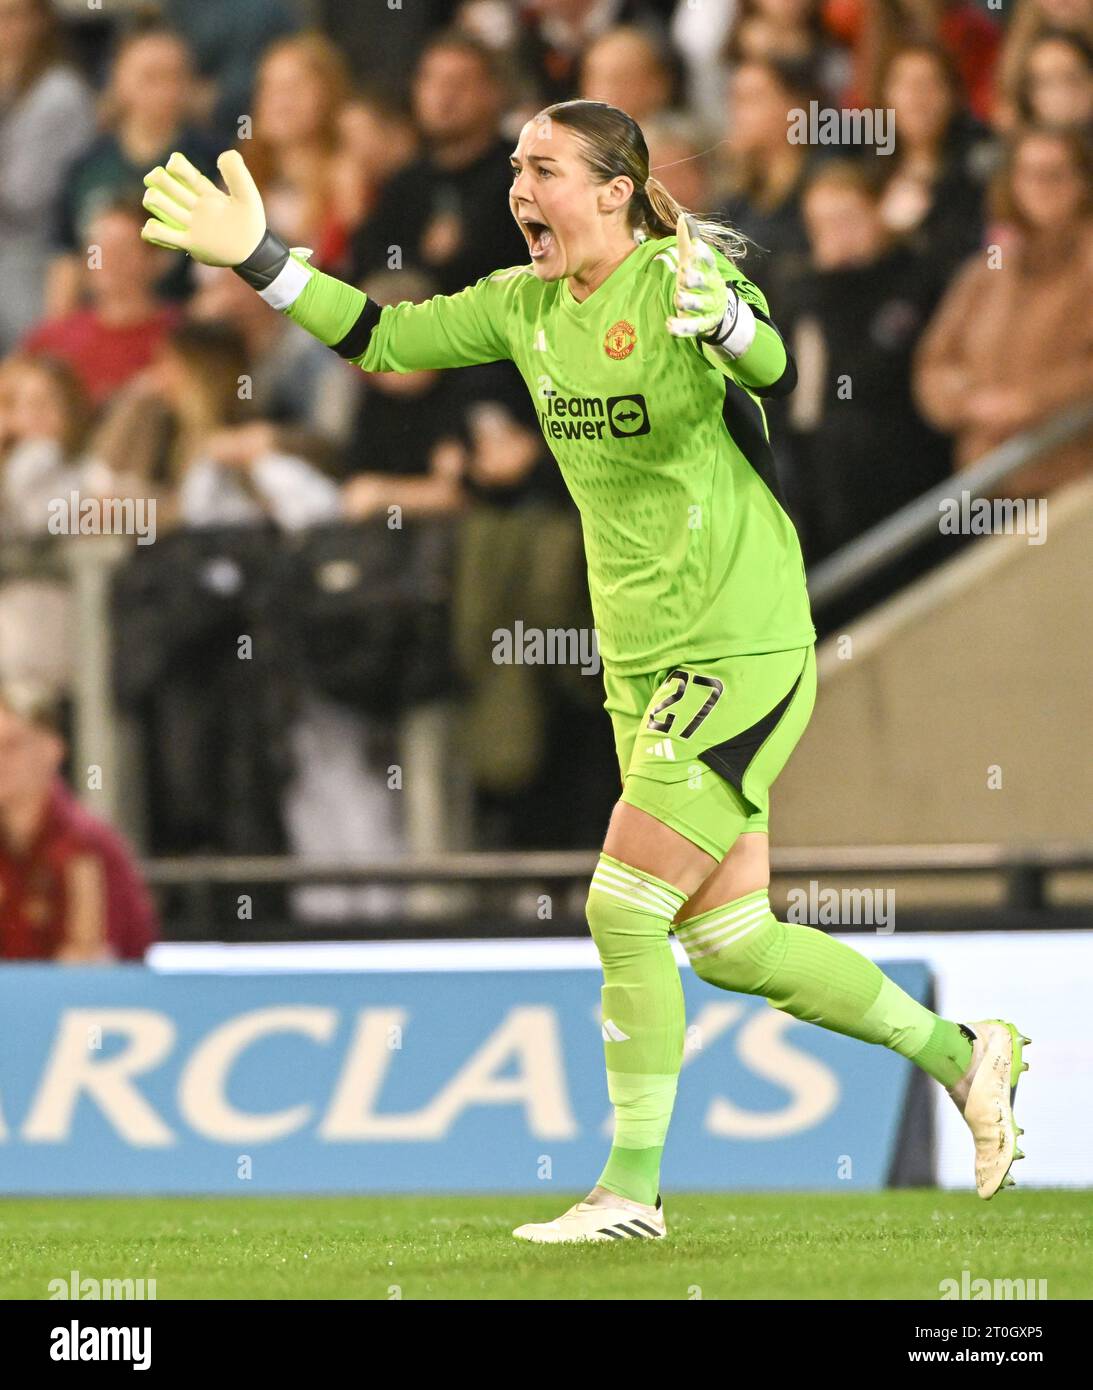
(690,553)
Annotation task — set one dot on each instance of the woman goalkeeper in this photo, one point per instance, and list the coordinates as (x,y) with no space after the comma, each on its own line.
(647,354)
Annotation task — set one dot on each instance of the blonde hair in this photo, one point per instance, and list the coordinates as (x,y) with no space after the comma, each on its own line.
(67,388)
(612,144)
(324,62)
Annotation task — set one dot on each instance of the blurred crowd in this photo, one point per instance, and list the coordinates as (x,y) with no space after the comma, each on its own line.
(935,288)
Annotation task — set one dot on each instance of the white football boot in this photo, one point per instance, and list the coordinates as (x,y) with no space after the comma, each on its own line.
(984,1095)
(609,1217)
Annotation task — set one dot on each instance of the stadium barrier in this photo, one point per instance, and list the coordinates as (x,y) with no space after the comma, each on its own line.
(133,1080)
(464,1064)
(508,890)
(898,534)
(104,739)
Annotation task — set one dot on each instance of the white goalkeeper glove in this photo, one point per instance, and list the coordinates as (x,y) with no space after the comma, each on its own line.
(707,307)
(189,213)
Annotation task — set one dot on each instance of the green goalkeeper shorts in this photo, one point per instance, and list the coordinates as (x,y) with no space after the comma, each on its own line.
(700,744)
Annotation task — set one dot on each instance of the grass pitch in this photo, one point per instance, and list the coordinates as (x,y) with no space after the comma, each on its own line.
(883,1245)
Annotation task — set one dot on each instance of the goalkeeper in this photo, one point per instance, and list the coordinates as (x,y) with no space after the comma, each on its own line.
(647,354)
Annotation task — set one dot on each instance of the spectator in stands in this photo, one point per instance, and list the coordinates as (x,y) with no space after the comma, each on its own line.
(428,441)
(44,426)
(145,115)
(227,467)
(506,462)
(680,158)
(303,83)
(960,27)
(698,34)
(44,420)
(632,69)
(1056,85)
(766,170)
(117,334)
(440,213)
(793,32)
(297,384)
(529,732)
(1031,19)
(468,443)
(503,28)
(376,138)
(933,181)
(228,41)
(858,448)
(406,450)
(1012,341)
(69,888)
(46,118)
(558,32)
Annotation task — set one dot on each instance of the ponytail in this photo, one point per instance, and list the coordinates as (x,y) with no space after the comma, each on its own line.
(659,212)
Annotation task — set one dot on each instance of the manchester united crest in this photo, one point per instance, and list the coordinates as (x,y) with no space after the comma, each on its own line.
(620,340)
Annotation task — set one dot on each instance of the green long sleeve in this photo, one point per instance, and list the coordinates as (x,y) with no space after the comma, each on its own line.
(456,330)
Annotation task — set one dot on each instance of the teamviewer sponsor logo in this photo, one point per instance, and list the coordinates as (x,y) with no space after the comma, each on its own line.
(586,417)
(627,416)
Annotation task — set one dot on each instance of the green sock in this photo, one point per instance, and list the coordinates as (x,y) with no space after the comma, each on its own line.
(946,1054)
(743,947)
(630,915)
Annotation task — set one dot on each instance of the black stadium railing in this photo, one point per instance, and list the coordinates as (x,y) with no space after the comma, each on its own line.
(898,534)
(1019,895)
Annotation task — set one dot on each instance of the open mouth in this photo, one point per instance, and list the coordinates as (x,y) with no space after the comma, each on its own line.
(540,237)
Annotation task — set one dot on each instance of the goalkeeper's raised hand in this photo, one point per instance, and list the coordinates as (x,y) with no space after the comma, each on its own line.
(189,212)
(707,308)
